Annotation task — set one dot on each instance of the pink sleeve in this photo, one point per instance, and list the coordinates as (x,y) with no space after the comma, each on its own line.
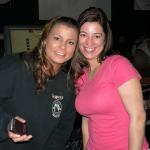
(123,71)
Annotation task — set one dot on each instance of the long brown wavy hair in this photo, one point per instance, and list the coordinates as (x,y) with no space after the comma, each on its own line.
(92,14)
(42,68)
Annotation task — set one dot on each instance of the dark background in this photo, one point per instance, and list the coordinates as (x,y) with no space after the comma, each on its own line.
(124,18)
(19,12)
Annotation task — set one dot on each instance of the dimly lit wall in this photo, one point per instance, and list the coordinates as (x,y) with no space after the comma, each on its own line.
(22,12)
(124,19)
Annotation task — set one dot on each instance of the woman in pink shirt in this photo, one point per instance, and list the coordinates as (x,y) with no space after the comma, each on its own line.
(109,95)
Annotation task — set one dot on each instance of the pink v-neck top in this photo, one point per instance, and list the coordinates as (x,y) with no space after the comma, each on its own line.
(99,100)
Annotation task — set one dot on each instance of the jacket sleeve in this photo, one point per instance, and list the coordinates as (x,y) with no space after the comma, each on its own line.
(61,135)
(5,93)
(4,120)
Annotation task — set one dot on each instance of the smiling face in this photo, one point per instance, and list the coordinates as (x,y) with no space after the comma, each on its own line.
(91,40)
(61,44)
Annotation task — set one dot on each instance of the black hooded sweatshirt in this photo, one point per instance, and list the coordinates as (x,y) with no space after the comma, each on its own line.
(49,115)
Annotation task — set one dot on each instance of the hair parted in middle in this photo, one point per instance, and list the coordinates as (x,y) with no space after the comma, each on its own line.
(92,14)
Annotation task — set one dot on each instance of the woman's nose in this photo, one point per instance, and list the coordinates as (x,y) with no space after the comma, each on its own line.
(89,41)
(63,45)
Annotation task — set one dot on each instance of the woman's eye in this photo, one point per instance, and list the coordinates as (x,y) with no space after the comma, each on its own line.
(98,36)
(71,42)
(56,38)
(82,35)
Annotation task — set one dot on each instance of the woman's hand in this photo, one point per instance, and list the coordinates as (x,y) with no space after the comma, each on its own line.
(16,137)
(19,138)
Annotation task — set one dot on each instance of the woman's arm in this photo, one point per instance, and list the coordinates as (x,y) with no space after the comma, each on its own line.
(8,67)
(131,94)
(85,132)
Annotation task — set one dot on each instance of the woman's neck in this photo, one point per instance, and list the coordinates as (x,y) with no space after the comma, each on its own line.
(93,69)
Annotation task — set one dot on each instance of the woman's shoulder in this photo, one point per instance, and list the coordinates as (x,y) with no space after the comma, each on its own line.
(10,62)
(115,59)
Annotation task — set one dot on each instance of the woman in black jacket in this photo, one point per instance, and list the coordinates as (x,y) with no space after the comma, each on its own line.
(35,90)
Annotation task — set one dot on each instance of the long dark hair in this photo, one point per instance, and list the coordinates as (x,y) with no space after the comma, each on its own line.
(92,14)
(42,68)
